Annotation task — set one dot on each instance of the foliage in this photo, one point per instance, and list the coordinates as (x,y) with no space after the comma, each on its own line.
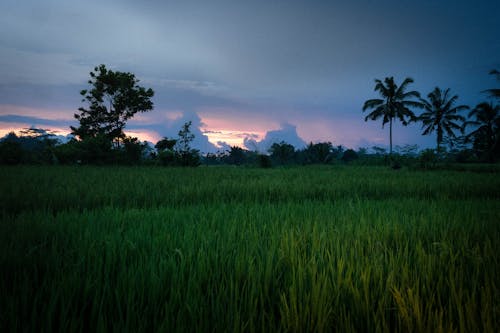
(314,249)
(428,159)
(395,104)
(165,144)
(34,145)
(11,152)
(185,155)
(320,153)
(236,156)
(349,156)
(494,92)
(264,161)
(133,150)
(114,98)
(486,133)
(440,115)
(282,153)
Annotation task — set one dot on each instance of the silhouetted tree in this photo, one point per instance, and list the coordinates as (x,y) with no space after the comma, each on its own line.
(165,144)
(34,145)
(187,156)
(321,152)
(11,150)
(114,98)
(165,148)
(133,150)
(349,156)
(236,156)
(486,135)
(495,92)
(282,152)
(440,115)
(395,103)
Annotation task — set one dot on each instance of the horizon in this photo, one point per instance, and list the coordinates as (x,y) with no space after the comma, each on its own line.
(246,73)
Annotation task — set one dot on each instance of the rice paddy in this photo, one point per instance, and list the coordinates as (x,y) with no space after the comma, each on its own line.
(221,249)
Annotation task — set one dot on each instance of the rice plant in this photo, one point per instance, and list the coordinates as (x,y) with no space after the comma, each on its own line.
(248,250)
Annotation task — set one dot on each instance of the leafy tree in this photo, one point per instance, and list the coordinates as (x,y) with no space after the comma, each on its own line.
(187,155)
(166,154)
(486,135)
(395,103)
(282,152)
(133,150)
(165,144)
(114,98)
(440,115)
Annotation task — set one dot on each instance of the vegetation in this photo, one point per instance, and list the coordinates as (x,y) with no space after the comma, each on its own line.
(441,115)
(245,249)
(100,138)
(395,104)
(486,136)
(113,99)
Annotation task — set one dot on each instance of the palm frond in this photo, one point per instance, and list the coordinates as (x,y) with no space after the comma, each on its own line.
(372,103)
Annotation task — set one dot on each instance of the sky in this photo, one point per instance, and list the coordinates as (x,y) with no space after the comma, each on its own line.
(246,73)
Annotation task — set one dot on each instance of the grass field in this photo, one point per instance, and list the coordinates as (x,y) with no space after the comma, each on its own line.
(221,249)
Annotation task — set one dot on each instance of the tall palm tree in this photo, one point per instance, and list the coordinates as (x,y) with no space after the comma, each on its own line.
(486,136)
(394,104)
(440,115)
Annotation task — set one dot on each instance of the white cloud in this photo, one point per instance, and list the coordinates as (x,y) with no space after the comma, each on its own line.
(287,133)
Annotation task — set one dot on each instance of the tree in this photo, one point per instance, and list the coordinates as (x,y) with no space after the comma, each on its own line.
(187,155)
(282,152)
(495,92)
(440,115)
(349,156)
(114,98)
(236,156)
(165,144)
(321,152)
(486,135)
(395,103)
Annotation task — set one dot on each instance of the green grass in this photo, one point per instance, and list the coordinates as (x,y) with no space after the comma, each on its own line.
(235,249)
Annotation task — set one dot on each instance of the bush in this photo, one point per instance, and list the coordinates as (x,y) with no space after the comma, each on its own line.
(264,161)
(428,159)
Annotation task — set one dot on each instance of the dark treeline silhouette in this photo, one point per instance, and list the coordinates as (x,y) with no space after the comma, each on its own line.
(115,97)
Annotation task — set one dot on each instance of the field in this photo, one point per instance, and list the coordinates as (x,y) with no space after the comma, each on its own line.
(222,249)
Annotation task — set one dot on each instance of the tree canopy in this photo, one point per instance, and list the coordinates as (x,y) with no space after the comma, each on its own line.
(395,103)
(441,115)
(113,98)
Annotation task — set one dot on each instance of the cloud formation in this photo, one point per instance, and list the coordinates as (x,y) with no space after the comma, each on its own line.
(307,63)
(287,133)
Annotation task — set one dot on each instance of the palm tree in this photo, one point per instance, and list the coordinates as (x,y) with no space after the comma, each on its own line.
(495,92)
(440,115)
(395,104)
(486,135)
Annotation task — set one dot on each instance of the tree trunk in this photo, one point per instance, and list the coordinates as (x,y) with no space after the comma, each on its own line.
(439,139)
(390,137)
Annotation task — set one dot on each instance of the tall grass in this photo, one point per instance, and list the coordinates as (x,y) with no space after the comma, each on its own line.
(223,249)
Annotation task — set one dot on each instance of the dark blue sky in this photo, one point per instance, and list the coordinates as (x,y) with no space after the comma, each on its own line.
(240,69)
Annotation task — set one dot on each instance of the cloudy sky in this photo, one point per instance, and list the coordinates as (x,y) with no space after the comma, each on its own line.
(245,72)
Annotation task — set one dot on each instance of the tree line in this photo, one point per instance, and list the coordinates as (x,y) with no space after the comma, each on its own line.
(440,115)
(115,97)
